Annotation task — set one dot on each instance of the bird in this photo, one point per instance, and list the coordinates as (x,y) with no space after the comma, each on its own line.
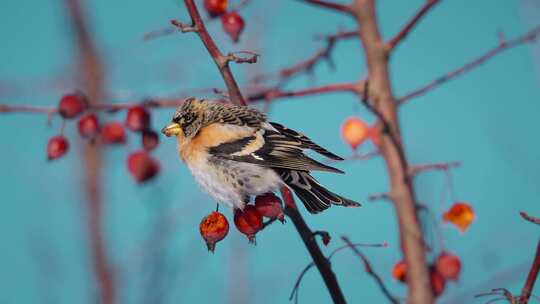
(234,153)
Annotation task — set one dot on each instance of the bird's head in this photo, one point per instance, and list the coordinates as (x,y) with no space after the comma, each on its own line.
(188,119)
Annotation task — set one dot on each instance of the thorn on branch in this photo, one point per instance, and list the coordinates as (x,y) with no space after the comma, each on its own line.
(184,28)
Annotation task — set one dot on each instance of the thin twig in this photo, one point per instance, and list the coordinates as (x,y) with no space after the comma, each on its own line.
(529,218)
(330,5)
(417,169)
(296,286)
(319,260)
(503,45)
(411,24)
(370,271)
(222,62)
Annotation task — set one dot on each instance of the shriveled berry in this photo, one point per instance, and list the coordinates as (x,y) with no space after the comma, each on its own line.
(213,228)
(137,119)
(142,166)
(233,24)
(57,147)
(249,221)
(269,205)
(150,140)
(460,214)
(113,133)
(448,265)
(215,8)
(72,105)
(354,131)
(88,126)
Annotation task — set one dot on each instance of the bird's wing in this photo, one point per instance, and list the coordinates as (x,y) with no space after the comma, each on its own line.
(269,148)
(305,142)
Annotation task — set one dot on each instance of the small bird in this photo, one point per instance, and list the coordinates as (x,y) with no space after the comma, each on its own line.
(234,153)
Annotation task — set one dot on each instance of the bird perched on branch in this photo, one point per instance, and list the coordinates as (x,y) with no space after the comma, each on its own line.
(234,152)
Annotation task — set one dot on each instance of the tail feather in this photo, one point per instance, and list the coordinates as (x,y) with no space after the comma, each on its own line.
(315,197)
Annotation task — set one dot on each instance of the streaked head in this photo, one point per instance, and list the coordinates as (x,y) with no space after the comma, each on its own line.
(187,119)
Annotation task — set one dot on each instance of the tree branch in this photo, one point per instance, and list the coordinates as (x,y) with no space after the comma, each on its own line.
(417,169)
(383,103)
(370,271)
(92,80)
(330,5)
(531,278)
(503,45)
(411,24)
(323,265)
(222,62)
(529,218)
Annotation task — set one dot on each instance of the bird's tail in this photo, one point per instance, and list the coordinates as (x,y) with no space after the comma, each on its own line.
(315,197)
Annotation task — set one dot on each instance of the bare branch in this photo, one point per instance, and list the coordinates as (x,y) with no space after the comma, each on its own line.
(330,5)
(319,260)
(528,37)
(370,271)
(222,62)
(402,193)
(417,169)
(411,24)
(529,218)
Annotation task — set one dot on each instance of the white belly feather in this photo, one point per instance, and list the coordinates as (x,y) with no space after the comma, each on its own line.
(230,182)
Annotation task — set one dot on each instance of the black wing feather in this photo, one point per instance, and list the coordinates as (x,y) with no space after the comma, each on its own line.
(305,141)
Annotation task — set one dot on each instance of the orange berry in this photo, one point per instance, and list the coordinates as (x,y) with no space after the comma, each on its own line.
(354,131)
(213,228)
(399,272)
(460,214)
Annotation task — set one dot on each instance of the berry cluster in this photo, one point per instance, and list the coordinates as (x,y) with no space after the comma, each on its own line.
(141,165)
(446,267)
(233,24)
(215,227)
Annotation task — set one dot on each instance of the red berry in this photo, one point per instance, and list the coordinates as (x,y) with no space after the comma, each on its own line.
(57,147)
(249,221)
(137,119)
(214,227)
(150,140)
(399,272)
(88,126)
(113,133)
(72,105)
(269,205)
(142,166)
(437,282)
(233,24)
(215,7)
(448,265)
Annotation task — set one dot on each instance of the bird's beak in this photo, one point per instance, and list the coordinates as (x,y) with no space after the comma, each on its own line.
(171,129)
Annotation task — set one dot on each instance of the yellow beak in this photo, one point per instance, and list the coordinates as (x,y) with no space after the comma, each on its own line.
(172,129)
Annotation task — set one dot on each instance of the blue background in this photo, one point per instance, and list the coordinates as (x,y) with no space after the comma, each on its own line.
(487,119)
